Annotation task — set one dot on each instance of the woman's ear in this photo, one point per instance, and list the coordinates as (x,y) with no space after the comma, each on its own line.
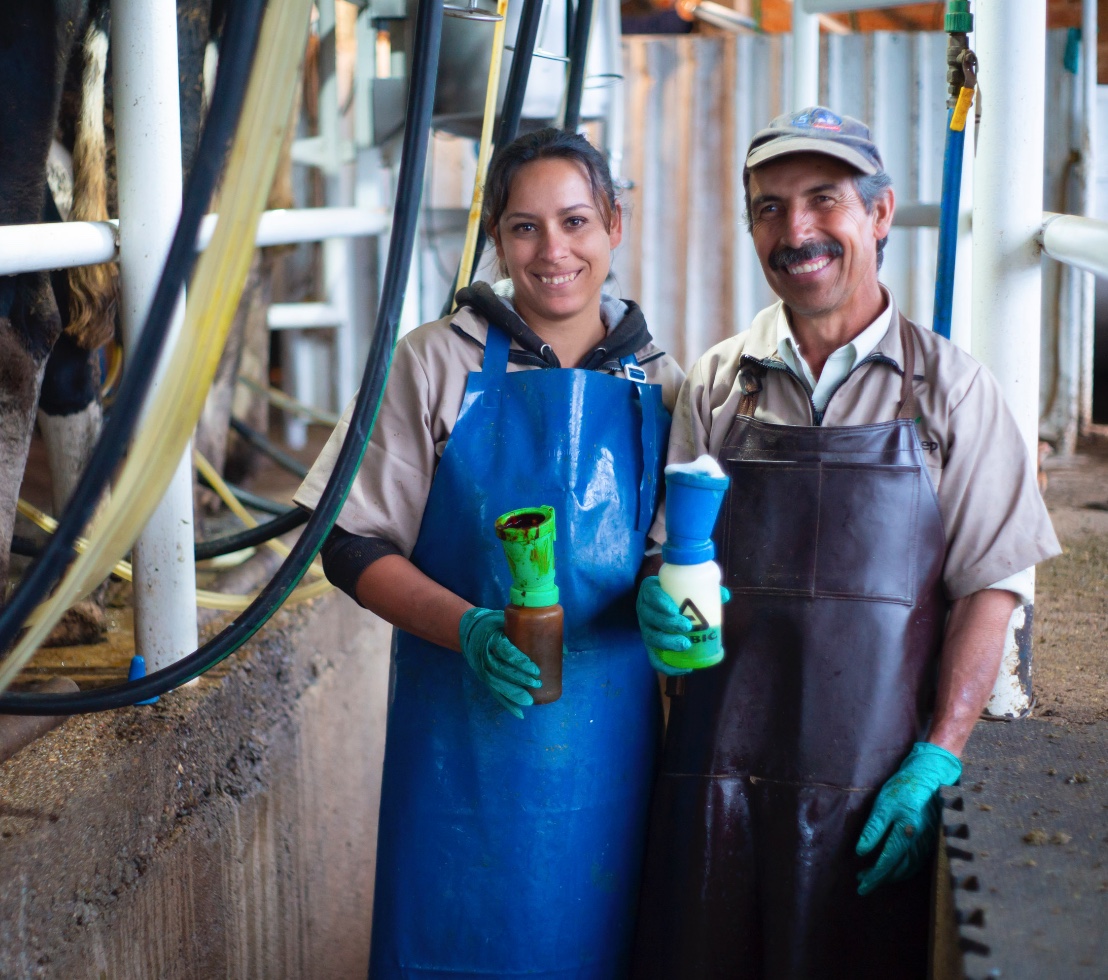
(494,236)
(615,233)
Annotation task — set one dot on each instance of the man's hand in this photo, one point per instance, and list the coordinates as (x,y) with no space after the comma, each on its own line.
(506,669)
(662,625)
(906,815)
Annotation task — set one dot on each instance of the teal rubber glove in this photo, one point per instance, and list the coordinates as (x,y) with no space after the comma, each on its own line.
(506,669)
(662,625)
(906,815)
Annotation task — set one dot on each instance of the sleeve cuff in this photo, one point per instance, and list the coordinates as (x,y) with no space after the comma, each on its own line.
(1022,584)
(345,556)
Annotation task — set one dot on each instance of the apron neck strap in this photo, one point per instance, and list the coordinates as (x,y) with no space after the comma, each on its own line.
(909,407)
(750,378)
(752,373)
(496,351)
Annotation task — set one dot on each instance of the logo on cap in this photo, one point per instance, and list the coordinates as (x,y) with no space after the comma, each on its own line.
(818,118)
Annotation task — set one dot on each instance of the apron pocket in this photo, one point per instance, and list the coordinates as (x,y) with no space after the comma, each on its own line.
(771,547)
(867,530)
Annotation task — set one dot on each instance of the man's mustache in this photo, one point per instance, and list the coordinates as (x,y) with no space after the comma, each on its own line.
(786,256)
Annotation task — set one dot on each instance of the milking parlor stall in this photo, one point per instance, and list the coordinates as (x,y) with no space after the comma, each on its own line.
(216,219)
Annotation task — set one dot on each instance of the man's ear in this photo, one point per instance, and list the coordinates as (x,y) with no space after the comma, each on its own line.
(883,209)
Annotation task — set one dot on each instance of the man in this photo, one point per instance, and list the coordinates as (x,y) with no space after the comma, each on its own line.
(881,525)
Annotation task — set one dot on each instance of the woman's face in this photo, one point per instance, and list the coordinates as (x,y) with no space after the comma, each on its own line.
(552,240)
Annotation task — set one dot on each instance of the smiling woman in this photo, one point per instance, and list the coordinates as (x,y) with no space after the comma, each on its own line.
(512,845)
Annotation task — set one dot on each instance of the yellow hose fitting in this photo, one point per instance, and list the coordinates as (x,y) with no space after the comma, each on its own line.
(961,110)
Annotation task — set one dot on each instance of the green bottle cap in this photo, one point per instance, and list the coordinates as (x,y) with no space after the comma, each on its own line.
(958,18)
(528,538)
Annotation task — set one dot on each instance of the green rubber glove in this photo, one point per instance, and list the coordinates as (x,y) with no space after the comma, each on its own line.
(506,669)
(908,810)
(662,625)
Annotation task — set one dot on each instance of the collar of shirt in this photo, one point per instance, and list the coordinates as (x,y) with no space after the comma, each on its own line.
(840,363)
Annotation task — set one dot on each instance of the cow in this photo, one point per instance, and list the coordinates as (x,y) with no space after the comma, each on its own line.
(54,73)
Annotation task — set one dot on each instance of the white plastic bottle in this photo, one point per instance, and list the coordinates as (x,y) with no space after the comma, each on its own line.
(689,574)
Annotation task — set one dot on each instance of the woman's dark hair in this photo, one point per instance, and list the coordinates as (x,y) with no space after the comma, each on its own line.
(546,144)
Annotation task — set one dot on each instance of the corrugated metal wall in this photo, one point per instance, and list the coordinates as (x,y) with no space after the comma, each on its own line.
(692,105)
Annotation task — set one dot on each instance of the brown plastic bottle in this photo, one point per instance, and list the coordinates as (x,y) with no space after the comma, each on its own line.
(537,631)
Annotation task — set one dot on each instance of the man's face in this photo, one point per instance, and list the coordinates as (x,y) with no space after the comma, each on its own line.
(815,239)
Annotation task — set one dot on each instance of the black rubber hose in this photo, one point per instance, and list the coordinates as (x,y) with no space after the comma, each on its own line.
(265,445)
(288,519)
(417,130)
(515,91)
(249,499)
(25,547)
(251,536)
(578,56)
(511,112)
(241,38)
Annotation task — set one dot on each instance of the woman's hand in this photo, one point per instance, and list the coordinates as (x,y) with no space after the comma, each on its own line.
(506,669)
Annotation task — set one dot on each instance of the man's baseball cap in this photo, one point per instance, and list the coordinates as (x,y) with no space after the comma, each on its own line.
(815,130)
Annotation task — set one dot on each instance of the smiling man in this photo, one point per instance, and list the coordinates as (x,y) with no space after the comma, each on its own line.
(882,523)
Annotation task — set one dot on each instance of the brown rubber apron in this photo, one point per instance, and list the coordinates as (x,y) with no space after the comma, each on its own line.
(832,545)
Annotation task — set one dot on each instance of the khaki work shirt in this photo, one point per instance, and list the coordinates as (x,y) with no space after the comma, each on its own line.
(422,399)
(993,515)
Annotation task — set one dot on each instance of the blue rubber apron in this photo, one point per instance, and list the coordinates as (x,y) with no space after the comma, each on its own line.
(505,847)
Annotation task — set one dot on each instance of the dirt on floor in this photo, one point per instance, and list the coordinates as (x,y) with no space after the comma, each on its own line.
(1070,654)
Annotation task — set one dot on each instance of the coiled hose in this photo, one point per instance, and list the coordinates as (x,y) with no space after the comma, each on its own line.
(428,34)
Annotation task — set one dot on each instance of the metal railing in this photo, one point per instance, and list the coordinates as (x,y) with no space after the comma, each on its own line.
(31,248)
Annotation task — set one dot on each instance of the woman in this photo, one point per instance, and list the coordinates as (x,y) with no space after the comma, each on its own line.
(511,845)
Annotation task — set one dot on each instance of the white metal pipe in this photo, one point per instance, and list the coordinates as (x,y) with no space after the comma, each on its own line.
(299,316)
(148,152)
(29,248)
(287,227)
(1089,153)
(1007,216)
(62,245)
(1077,241)
(59,245)
(723,17)
(805,56)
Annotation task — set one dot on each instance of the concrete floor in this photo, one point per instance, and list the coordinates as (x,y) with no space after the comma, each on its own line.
(1035,792)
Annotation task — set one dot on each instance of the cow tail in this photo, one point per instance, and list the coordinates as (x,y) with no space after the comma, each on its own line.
(94,289)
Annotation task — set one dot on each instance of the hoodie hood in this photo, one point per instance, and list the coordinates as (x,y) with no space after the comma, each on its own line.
(625,323)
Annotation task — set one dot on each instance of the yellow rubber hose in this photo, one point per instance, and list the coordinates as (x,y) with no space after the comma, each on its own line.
(492,90)
(279,399)
(173,410)
(205,598)
(215,481)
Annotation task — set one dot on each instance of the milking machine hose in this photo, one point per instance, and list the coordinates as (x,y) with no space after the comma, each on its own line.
(240,40)
(417,129)
(578,59)
(268,448)
(250,537)
(287,520)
